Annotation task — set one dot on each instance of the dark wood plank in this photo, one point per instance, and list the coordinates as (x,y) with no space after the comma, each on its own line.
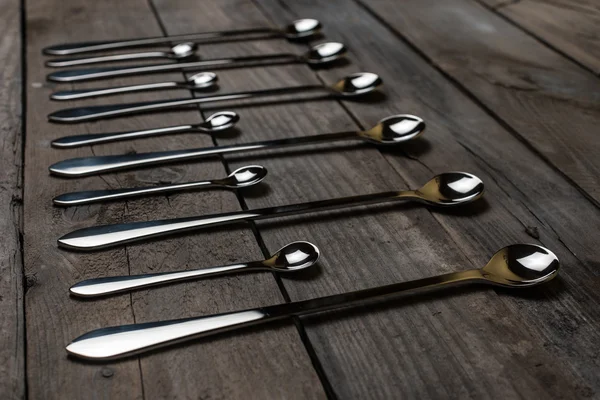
(12,356)
(473,344)
(549,102)
(215,369)
(570,26)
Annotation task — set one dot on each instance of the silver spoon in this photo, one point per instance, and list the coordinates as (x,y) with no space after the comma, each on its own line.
(216,122)
(299,29)
(199,81)
(445,190)
(178,52)
(515,266)
(389,131)
(350,86)
(320,54)
(240,178)
(293,257)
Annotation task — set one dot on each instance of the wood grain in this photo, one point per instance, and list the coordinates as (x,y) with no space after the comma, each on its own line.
(545,99)
(569,26)
(216,369)
(469,343)
(12,356)
(440,347)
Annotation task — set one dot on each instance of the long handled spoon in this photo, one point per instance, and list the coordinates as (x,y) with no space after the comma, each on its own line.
(448,189)
(178,52)
(320,54)
(216,122)
(515,266)
(199,81)
(389,131)
(299,29)
(240,178)
(293,257)
(350,86)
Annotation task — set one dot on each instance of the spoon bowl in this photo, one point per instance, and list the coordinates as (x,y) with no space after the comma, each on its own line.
(325,53)
(202,80)
(218,121)
(521,265)
(293,257)
(451,189)
(245,176)
(302,28)
(357,84)
(183,50)
(394,129)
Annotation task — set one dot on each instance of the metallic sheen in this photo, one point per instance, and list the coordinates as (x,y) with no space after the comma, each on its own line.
(320,54)
(293,257)
(389,131)
(199,81)
(299,29)
(515,266)
(446,190)
(216,122)
(178,52)
(352,85)
(240,178)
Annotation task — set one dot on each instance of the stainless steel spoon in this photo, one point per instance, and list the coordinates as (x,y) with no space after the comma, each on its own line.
(240,178)
(389,131)
(199,81)
(319,54)
(352,85)
(445,190)
(515,266)
(293,257)
(178,52)
(299,29)
(216,122)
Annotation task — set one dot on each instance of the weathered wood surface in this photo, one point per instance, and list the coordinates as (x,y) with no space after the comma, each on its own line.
(217,369)
(569,26)
(479,343)
(12,356)
(544,99)
(519,200)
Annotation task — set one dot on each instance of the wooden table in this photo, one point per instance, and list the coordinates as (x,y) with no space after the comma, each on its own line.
(510,92)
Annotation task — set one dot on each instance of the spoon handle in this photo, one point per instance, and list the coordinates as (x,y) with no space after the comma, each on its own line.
(98,138)
(80,114)
(115,284)
(96,196)
(78,75)
(121,341)
(86,93)
(206,37)
(76,167)
(98,237)
(70,62)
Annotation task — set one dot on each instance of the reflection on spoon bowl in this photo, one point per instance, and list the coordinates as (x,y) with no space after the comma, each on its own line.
(302,28)
(219,121)
(293,257)
(357,84)
(245,176)
(202,80)
(450,189)
(521,265)
(325,53)
(183,50)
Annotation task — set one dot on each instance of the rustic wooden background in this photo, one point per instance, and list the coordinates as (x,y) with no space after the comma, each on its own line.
(510,92)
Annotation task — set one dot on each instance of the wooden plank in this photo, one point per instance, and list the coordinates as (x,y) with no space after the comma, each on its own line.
(216,369)
(536,92)
(570,26)
(12,356)
(470,344)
